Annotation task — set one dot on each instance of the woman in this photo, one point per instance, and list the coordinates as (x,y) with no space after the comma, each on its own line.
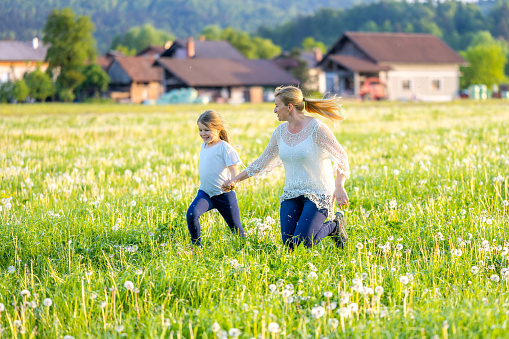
(305,146)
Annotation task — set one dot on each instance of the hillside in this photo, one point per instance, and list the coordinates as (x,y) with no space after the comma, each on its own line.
(22,20)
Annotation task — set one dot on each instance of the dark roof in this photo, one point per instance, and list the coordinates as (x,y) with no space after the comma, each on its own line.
(21,51)
(227,72)
(103,61)
(356,64)
(404,47)
(140,69)
(152,50)
(207,49)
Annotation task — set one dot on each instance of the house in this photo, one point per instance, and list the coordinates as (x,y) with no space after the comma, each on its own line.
(219,72)
(224,80)
(412,66)
(315,75)
(201,49)
(19,57)
(133,79)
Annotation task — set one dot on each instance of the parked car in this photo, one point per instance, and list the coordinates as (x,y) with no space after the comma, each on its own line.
(372,89)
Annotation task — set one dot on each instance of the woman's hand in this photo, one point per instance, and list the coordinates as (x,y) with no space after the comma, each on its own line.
(340,196)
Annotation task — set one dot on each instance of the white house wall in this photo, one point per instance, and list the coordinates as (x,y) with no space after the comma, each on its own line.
(422,79)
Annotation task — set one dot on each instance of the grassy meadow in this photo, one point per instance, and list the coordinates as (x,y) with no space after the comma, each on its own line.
(94,242)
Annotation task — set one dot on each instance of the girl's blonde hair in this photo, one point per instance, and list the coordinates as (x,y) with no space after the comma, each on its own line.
(213,121)
(329,108)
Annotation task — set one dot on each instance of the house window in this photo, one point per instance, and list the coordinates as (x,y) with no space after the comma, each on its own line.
(406,84)
(436,85)
(4,77)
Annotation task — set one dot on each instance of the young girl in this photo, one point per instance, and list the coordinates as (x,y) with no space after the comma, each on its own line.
(218,162)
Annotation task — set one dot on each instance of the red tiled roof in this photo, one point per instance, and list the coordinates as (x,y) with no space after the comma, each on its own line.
(140,69)
(227,72)
(404,47)
(103,61)
(357,64)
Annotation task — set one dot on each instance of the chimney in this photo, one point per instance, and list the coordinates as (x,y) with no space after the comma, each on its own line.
(190,47)
(202,37)
(318,54)
(168,44)
(35,43)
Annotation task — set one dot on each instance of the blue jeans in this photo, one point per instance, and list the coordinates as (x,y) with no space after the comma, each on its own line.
(302,221)
(225,203)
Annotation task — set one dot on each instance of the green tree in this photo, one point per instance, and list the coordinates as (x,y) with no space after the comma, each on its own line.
(71,45)
(251,47)
(139,38)
(39,84)
(309,44)
(487,59)
(96,81)
(20,91)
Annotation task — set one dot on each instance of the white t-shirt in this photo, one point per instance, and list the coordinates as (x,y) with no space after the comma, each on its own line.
(213,166)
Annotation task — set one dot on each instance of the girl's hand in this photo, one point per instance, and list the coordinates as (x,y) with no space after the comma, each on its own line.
(228,185)
(340,196)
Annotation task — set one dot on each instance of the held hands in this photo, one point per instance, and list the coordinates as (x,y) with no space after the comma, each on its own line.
(340,196)
(228,185)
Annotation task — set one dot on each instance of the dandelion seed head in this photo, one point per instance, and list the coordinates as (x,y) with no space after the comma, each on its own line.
(47,302)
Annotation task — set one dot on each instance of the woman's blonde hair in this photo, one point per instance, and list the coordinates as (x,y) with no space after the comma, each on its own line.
(213,121)
(329,108)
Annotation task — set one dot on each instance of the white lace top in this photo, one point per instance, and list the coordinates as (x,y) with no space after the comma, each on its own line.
(306,157)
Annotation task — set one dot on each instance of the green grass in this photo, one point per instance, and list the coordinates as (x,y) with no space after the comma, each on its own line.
(94,196)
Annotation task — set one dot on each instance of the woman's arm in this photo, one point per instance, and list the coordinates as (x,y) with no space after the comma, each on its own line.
(268,160)
(340,194)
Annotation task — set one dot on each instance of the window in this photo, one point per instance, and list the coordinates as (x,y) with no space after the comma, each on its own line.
(436,85)
(406,84)
(4,77)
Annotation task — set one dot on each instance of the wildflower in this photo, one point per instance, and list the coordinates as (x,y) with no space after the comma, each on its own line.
(495,278)
(403,279)
(102,304)
(317,312)
(332,306)
(312,275)
(2,307)
(393,204)
(119,328)
(399,247)
(222,334)
(333,323)
(505,203)
(344,312)
(353,307)
(327,294)
(234,332)
(272,287)
(133,203)
(474,269)
(129,285)
(396,172)
(47,302)
(456,252)
(379,290)
(139,272)
(11,269)
(312,267)
(359,246)
(215,327)
(273,328)
(25,293)
(286,293)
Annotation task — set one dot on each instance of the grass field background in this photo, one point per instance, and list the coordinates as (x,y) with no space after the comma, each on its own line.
(94,243)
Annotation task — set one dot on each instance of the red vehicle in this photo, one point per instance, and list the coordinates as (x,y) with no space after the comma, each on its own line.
(372,89)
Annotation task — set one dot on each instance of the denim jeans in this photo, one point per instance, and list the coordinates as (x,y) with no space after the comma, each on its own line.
(225,203)
(302,221)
